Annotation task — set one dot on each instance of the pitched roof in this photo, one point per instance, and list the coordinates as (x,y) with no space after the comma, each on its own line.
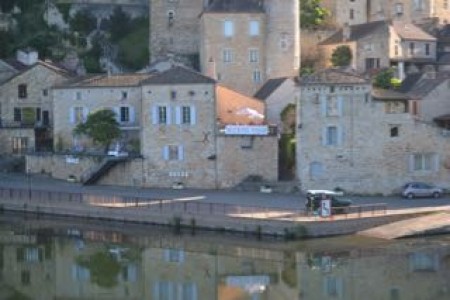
(235,108)
(235,6)
(419,85)
(269,87)
(356,32)
(104,80)
(179,75)
(333,76)
(408,31)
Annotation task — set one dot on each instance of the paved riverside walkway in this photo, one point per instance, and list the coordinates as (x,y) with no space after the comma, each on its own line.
(210,208)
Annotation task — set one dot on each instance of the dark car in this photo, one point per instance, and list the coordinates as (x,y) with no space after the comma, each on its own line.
(338,204)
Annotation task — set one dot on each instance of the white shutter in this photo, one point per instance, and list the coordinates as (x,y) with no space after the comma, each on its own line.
(72,115)
(193,115)
(169,115)
(166,152)
(178,115)
(85,113)
(340,104)
(340,135)
(180,153)
(181,256)
(116,110)
(323,105)
(154,115)
(132,114)
(411,163)
(436,162)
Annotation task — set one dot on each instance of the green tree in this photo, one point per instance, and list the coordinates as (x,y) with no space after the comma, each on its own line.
(312,13)
(383,79)
(83,22)
(341,56)
(7,5)
(101,126)
(103,267)
(119,24)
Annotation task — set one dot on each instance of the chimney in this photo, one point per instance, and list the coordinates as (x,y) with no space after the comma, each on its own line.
(211,68)
(346,32)
(27,56)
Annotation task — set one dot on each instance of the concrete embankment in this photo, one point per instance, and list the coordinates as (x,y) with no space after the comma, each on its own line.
(423,225)
(266,224)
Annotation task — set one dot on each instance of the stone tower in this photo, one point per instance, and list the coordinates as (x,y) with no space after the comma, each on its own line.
(282,38)
(174,27)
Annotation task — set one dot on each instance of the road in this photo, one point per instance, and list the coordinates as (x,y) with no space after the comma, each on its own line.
(278,200)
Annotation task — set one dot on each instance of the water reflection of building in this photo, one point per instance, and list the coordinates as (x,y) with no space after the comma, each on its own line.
(95,265)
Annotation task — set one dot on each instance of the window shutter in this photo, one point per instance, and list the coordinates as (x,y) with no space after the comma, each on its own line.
(194,291)
(193,115)
(116,110)
(166,152)
(156,290)
(436,162)
(178,115)
(166,255)
(180,153)
(169,115)
(324,136)
(181,256)
(154,115)
(72,115)
(132,115)
(340,136)
(323,105)
(85,113)
(411,163)
(340,100)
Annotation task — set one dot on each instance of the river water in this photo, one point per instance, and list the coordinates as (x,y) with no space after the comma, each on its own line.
(68,259)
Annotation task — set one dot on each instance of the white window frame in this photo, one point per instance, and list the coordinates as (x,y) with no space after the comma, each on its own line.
(173,152)
(253,55)
(256,76)
(228,28)
(328,140)
(424,162)
(227,55)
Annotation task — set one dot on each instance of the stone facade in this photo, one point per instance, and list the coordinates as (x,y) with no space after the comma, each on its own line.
(73,102)
(174,27)
(359,12)
(353,141)
(25,102)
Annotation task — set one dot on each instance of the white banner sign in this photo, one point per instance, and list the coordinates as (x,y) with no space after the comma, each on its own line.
(246,130)
(325,208)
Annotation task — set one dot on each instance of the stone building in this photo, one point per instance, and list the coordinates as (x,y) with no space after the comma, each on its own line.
(240,43)
(363,140)
(74,100)
(185,129)
(26,111)
(363,11)
(383,44)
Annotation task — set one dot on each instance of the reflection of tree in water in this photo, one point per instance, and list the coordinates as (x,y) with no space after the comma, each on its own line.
(289,273)
(103,267)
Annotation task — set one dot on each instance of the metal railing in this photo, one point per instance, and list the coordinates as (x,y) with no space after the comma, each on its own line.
(140,205)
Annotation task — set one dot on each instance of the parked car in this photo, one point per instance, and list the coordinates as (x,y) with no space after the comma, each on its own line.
(421,189)
(338,204)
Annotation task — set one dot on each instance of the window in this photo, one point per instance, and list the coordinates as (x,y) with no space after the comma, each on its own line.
(78,115)
(17,114)
(162,115)
(124,114)
(254,28)
(332,106)
(130,273)
(423,262)
(372,63)
(19,145)
(170,17)
(394,131)
(78,95)
(352,14)
(186,115)
(173,152)
(399,9)
(164,290)
(189,291)
(396,50)
(316,170)
(331,136)
(45,92)
(22,91)
(80,273)
(427,49)
(424,162)
(227,55)
(124,95)
(174,255)
(284,41)
(418,4)
(253,55)
(333,287)
(256,76)
(228,28)
(411,48)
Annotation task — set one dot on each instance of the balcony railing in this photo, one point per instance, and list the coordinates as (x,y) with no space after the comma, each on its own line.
(23,124)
